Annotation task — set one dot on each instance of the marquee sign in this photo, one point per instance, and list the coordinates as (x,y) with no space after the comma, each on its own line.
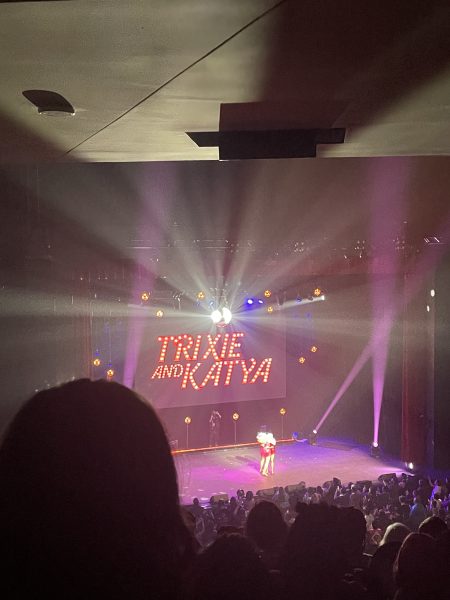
(205,359)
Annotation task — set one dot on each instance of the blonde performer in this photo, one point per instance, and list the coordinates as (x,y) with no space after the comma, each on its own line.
(264,450)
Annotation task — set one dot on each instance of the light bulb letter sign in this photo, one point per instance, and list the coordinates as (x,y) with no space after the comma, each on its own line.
(205,359)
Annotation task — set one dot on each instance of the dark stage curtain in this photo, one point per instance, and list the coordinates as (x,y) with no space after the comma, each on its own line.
(415,376)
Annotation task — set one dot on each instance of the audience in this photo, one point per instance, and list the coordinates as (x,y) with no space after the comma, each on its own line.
(89,508)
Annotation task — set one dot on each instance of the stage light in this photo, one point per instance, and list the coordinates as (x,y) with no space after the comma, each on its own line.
(250,301)
(317,292)
(302,360)
(227,316)
(145,296)
(428,308)
(222,316)
(410,466)
(110,373)
(201,295)
(375,450)
(235,420)
(267,293)
(159,313)
(96,362)
(313,348)
(432,293)
(282,413)
(216,316)
(270,309)
(187,420)
(312,438)
(260,301)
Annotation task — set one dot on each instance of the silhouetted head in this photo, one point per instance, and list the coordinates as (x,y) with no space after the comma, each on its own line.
(396,532)
(313,560)
(352,534)
(380,576)
(416,567)
(229,568)
(89,494)
(266,527)
(433,526)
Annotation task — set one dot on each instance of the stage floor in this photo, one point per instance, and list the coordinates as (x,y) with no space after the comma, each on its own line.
(224,470)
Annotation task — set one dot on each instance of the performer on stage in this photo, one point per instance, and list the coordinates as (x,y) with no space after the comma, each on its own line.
(271,441)
(214,428)
(264,450)
(267,444)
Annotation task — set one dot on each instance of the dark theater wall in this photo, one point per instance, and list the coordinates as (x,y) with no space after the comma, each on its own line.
(441,399)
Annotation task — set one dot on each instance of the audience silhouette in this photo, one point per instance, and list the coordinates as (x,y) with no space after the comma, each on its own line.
(89,498)
(89,508)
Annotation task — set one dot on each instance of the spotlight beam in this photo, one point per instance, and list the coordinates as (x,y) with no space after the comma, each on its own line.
(358,365)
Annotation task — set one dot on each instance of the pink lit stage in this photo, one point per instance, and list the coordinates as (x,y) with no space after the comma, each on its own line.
(203,473)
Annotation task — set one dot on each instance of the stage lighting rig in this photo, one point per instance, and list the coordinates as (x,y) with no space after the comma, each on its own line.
(375,450)
(312,438)
(221,317)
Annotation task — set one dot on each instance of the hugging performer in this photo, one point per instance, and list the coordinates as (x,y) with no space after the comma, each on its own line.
(263,440)
(271,442)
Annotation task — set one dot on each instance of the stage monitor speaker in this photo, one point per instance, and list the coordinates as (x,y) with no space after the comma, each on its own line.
(217,497)
(413,482)
(290,489)
(267,493)
(365,483)
(387,476)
